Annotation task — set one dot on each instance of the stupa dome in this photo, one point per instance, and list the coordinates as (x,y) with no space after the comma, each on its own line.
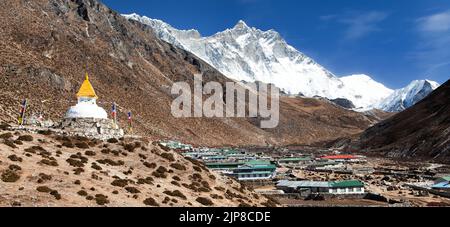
(86,110)
(87,104)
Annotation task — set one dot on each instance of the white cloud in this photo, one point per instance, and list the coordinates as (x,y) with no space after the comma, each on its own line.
(433,49)
(439,22)
(358,24)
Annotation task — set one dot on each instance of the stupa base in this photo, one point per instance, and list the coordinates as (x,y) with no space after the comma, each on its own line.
(102,129)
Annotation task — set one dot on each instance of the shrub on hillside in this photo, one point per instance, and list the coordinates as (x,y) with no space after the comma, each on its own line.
(129,147)
(132,190)
(10,176)
(90,153)
(197,169)
(120,183)
(151,202)
(112,140)
(168,156)
(10,143)
(82,145)
(43,178)
(14,158)
(4,126)
(56,194)
(111,162)
(6,136)
(82,193)
(96,166)
(75,163)
(160,172)
(178,166)
(44,189)
(101,199)
(68,144)
(175,193)
(14,168)
(25,138)
(217,197)
(150,165)
(45,132)
(204,201)
(48,162)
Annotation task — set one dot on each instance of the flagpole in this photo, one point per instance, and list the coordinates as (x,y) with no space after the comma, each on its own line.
(114,113)
(22,112)
(130,123)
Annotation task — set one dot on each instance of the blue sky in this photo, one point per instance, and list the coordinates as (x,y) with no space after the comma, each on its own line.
(394,41)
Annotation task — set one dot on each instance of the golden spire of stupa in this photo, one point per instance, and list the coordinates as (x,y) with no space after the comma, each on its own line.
(86,89)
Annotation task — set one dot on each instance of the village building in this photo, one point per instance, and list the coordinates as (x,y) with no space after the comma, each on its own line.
(87,119)
(345,158)
(255,170)
(340,157)
(303,187)
(215,158)
(224,167)
(176,145)
(295,161)
(352,187)
(324,165)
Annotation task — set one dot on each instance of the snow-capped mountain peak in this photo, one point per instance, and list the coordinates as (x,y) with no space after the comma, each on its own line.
(245,53)
(360,84)
(241,25)
(406,97)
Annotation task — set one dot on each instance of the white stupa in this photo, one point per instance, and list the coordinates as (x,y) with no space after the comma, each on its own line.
(87,104)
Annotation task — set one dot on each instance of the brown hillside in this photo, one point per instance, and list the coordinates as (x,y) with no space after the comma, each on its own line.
(422,131)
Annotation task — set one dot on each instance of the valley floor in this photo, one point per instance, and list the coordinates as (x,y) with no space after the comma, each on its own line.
(387,182)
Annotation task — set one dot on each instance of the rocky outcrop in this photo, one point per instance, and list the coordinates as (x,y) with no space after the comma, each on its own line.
(82,10)
(344,103)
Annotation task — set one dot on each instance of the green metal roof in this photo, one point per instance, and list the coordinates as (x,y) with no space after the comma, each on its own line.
(251,173)
(346,184)
(446,178)
(264,167)
(258,162)
(258,167)
(217,157)
(225,164)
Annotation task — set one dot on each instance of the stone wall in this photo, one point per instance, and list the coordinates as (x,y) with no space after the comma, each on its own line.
(102,129)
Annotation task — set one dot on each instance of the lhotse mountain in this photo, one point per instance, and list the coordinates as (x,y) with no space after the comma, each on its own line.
(244,53)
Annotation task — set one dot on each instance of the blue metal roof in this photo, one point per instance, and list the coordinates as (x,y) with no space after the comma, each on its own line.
(303,184)
(442,185)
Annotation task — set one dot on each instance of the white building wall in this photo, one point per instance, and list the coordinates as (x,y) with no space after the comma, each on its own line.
(346,191)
